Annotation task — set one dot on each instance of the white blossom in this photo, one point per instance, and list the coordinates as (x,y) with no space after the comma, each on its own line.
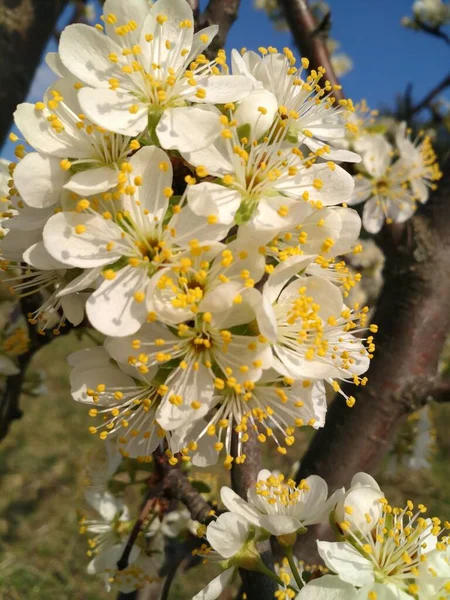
(148,66)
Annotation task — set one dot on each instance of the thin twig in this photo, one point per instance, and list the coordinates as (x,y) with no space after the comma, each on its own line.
(434,31)
(425,102)
(310,38)
(149,503)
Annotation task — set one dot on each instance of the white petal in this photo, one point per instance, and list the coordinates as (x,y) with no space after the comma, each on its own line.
(89,357)
(87,249)
(73,307)
(264,313)
(187,128)
(189,226)
(364,479)
(192,386)
(221,89)
(38,132)
(207,199)
(39,180)
(198,45)
(333,186)
(268,219)
(216,586)
(283,272)
(82,282)
(92,181)
(84,52)
(362,192)
(377,157)
(228,534)
(146,164)
(38,257)
(214,157)
(328,587)
(349,232)
(373,216)
(109,557)
(280,524)
(55,63)
(131,10)
(112,309)
(237,505)
(111,109)
(249,112)
(82,379)
(387,592)
(348,563)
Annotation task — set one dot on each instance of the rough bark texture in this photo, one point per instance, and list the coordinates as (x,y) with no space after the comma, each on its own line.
(413,316)
(310,38)
(244,476)
(25,27)
(222,13)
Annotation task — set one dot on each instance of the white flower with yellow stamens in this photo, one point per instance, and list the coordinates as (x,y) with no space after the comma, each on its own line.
(360,507)
(310,329)
(208,285)
(134,239)
(191,360)
(282,507)
(420,158)
(307,109)
(392,189)
(72,153)
(60,288)
(147,67)
(274,407)
(229,537)
(395,551)
(125,404)
(261,180)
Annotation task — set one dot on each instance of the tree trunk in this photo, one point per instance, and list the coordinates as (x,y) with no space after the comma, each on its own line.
(413,316)
(25,28)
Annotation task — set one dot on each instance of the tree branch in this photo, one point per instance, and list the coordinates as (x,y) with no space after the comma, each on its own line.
(414,322)
(177,486)
(440,389)
(9,400)
(309,37)
(222,13)
(25,27)
(434,31)
(243,477)
(425,102)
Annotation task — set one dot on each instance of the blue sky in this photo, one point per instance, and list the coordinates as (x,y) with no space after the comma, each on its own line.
(386,56)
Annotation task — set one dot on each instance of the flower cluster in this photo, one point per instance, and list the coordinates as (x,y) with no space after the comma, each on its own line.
(382,552)
(194,217)
(392,183)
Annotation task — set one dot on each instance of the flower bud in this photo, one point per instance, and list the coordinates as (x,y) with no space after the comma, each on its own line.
(257,109)
(360,508)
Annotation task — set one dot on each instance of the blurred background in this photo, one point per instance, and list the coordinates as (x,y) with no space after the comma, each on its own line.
(382,57)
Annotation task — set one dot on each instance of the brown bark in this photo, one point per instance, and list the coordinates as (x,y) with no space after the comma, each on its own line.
(243,477)
(25,27)
(413,316)
(222,13)
(309,37)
